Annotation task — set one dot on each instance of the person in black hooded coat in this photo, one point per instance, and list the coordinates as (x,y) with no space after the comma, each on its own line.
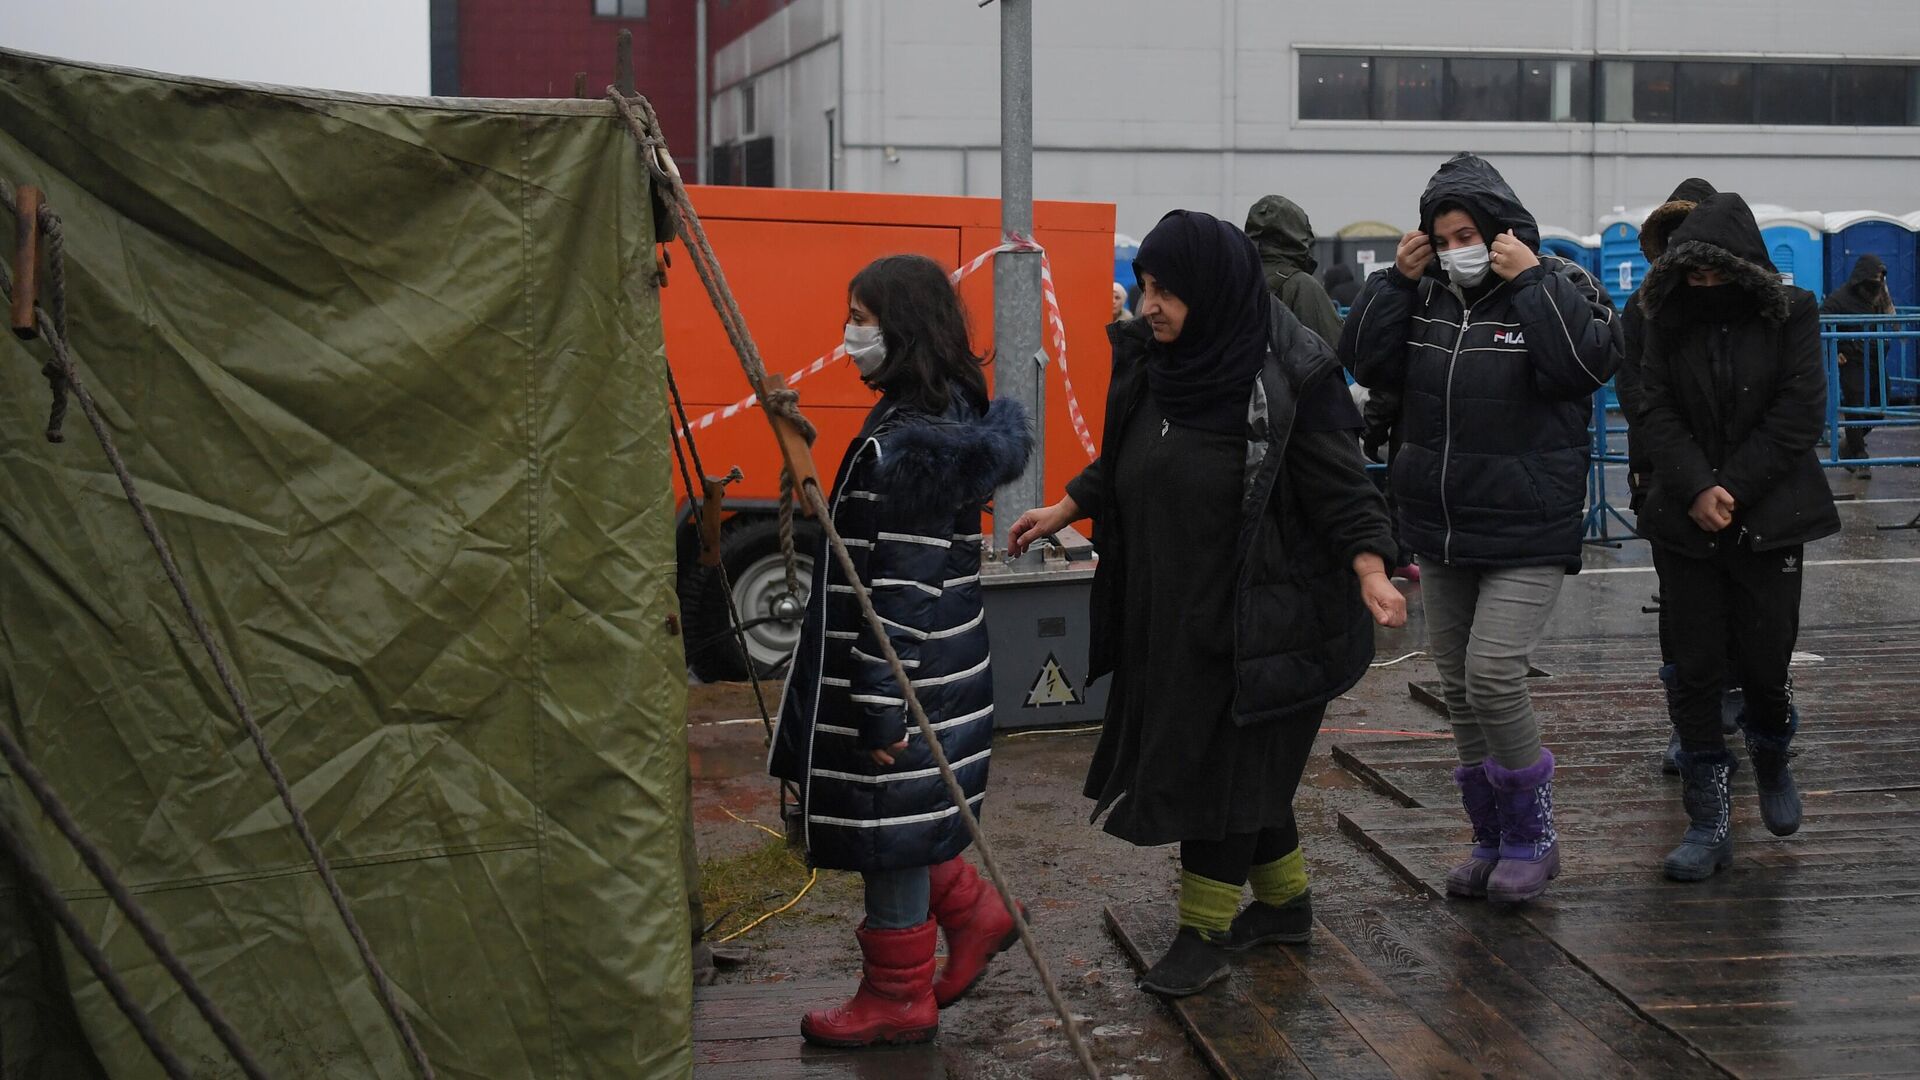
(1496,351)
(1865,293)
(1654,234)
(907,501)
(1242,550)
(1733,398)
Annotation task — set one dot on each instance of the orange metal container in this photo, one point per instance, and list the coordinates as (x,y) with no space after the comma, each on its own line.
(788,256)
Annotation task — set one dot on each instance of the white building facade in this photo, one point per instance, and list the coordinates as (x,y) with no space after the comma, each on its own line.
(1585,105)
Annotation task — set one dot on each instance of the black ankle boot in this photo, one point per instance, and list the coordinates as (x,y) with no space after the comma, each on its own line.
(1192,963)
(1779,799)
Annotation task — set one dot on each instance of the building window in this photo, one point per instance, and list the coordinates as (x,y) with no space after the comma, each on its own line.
(620,9)
(1652,91)
(748,113)
(1335,87)
(1793,93)
(1408,88)
(1869,95)
(1486,90)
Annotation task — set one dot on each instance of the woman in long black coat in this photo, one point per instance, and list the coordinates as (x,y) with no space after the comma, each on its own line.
(1242,567)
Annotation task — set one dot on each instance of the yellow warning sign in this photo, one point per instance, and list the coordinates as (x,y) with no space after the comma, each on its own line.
(1052,687)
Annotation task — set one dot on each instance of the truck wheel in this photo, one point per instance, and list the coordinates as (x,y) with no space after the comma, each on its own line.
(770,614)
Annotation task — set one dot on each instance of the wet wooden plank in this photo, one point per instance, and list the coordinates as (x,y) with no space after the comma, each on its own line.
(1628,1031)
(753,1029)
(1472,1014)
(1395,1030)
(1234,1038)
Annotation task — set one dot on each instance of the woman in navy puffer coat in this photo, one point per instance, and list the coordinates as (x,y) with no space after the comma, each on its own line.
(907,501)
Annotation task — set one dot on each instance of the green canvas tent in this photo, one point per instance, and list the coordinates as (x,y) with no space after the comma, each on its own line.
(389,373)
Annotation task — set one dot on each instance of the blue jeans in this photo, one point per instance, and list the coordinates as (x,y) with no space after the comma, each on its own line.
(896,899)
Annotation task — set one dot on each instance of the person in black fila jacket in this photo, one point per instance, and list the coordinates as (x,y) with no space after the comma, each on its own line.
(1733,397)
(907,501)
(1496,351)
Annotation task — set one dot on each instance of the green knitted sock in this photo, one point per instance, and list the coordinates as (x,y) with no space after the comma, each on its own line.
(1281,880)
(1207,905)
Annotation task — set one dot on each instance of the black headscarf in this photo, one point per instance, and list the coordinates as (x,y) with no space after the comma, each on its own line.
(1204,378)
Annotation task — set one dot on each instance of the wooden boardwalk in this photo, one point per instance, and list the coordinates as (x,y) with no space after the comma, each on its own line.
(751,1031)
(1803,960)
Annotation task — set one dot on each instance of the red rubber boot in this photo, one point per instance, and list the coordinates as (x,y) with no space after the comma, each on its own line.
(977,925)
(895,1001)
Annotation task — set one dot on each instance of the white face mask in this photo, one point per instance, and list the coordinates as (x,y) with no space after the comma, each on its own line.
(1467,266)
(867,349)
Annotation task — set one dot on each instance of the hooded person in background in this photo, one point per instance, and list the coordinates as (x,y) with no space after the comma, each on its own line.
(1733,398)
(1654,233)
(1342,288)
(1865,293)
(1284,237)
(1496,351)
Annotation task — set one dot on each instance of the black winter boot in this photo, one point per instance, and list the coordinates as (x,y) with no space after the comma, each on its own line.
(1779,799)
(1192,963)
(1708,795)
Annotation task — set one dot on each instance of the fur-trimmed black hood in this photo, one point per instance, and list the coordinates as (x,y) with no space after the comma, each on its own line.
(1659,226)
(1718,234)
(932,463)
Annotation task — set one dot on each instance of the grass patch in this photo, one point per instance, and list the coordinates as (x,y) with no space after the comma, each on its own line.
(739,889)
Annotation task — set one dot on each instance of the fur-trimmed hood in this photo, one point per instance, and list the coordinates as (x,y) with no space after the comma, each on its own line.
(1718,234)
(932,463)
(1659,226)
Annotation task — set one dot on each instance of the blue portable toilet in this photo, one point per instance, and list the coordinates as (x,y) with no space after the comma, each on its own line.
(1125,248)
(1572,247)
(1621,263)
(1796,242)
(1853,233)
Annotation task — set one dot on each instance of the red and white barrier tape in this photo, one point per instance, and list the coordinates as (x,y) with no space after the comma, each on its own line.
(1054,322)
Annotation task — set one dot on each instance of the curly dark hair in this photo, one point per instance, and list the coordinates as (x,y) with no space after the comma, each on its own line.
(924,326)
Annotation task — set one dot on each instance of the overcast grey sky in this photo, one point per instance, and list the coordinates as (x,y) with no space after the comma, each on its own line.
(374,46)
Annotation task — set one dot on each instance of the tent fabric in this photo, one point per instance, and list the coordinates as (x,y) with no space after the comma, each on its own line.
(389,374)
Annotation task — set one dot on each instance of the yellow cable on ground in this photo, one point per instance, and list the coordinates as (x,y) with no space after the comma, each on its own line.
(804,889)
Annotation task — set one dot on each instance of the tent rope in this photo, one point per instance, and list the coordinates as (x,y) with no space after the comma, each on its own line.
(51,330)
(56,906)
(784,403)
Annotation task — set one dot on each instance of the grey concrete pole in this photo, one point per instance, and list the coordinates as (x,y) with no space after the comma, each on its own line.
(1016,275)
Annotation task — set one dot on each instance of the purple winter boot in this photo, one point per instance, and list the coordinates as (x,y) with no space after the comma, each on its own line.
(1529,849)
(1476,794)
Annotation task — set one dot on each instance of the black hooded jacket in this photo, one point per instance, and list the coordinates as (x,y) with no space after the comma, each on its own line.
(1284,236)
(1733,393)
(1865,293)
(1496,385)
(1626,384)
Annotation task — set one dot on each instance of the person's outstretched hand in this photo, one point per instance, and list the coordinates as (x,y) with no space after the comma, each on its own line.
(1041,522)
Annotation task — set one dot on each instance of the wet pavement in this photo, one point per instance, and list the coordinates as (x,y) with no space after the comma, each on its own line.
(1068,871)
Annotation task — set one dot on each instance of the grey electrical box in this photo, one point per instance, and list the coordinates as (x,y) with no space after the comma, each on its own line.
(1038,628)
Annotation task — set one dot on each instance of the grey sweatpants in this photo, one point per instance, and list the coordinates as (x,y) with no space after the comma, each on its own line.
(1482,626)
